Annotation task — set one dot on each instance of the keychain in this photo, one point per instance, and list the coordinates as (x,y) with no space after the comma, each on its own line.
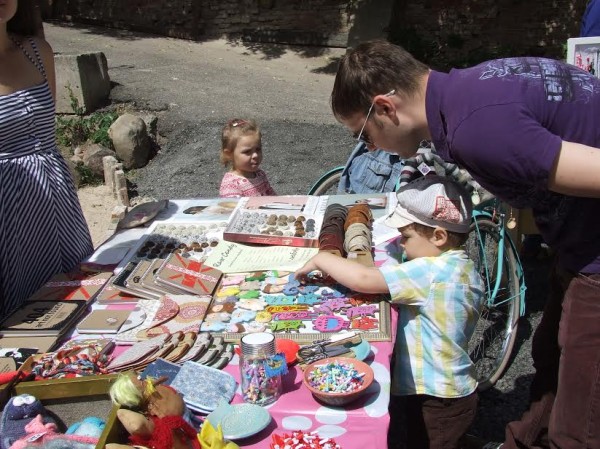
(512,222)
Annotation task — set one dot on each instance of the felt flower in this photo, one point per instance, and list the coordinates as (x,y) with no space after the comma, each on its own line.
(211,438)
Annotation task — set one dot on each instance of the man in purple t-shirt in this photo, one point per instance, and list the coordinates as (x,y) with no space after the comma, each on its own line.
(528,130)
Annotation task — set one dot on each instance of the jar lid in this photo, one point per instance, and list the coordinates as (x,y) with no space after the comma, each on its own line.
(258,343)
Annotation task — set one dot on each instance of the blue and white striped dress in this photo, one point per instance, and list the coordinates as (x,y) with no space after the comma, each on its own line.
(42,228)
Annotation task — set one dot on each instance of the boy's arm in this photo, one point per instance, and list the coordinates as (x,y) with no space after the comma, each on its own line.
(349,273)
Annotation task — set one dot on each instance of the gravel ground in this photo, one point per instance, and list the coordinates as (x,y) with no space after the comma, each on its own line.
(195,87)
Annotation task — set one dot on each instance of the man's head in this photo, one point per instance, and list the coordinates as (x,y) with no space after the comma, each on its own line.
(435,212)
(379,94)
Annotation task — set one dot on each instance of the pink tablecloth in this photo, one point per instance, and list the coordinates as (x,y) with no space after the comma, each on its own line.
(359,425)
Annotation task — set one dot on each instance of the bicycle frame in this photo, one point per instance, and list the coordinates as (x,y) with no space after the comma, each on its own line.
(317,184)
(500,258)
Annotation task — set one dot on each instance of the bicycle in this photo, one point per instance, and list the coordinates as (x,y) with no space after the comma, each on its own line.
(328,183)
(495,256)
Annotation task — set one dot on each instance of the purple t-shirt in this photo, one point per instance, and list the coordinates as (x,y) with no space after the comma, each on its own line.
(504,121)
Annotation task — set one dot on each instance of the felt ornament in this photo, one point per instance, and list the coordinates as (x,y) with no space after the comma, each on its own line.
(81,435)
(148,396)
(17,414)
(211,438)
(169,432)
(160,419)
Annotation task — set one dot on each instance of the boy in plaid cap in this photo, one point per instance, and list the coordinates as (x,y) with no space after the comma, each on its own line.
(439,294)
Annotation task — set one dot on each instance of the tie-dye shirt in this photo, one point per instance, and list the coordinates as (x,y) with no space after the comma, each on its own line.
(234,185)
(439,300)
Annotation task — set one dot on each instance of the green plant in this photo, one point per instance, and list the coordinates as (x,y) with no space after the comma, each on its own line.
(86,176)
(73,131)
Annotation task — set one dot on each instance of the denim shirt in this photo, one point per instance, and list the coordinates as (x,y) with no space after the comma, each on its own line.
(370,172)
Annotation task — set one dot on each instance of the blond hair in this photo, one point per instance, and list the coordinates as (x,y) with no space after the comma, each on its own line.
(126,392)
(232,131)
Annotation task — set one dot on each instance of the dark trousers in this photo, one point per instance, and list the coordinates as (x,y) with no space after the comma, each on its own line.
(429,422)
(564,409)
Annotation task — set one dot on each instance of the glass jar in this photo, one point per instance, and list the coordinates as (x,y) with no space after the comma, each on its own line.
(260,385)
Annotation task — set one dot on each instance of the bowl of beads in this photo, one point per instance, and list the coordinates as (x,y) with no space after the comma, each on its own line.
(337,380)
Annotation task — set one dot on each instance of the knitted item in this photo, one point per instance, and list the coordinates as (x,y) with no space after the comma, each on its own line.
(18,413)
(89,427)
(45,436)
(34,430)
(162,437)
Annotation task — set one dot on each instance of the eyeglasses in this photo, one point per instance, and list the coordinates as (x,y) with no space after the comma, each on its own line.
(362,135)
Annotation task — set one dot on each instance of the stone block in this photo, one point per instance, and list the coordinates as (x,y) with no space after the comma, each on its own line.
(109,163)
(121,188)
(86,76)
(118,213)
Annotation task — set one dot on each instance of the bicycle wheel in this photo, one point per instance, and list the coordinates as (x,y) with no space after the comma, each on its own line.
(328,183)
(494,337)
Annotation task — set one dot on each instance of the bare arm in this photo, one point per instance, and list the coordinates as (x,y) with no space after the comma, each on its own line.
(576,171)
(351,274)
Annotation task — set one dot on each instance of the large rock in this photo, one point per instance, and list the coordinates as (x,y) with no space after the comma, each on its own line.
(83,77)
(92,155)
(131,141)
(151,122)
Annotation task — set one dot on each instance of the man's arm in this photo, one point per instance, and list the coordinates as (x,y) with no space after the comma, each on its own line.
(576,171)
(349,273)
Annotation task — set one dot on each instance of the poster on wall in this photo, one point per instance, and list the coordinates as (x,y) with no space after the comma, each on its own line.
(584,52)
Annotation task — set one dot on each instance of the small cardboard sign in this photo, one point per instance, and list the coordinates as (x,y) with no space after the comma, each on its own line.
(189,275)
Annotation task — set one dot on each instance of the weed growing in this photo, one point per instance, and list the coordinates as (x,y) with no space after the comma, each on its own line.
(74,131)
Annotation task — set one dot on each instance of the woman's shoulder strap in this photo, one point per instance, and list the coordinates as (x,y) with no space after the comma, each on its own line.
(37,61)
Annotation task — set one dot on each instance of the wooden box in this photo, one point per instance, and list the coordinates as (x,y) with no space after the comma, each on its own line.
(79,397)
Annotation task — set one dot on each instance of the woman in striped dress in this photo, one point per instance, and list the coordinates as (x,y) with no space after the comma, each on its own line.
(42,228)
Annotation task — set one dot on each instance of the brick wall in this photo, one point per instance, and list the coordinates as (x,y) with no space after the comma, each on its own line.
(440,32)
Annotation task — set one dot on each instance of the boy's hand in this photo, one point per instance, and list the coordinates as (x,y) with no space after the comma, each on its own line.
(302,273)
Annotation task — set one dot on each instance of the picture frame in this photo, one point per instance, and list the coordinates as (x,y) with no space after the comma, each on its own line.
(584,52)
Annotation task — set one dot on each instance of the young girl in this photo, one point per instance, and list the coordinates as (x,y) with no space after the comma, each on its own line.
(241,147)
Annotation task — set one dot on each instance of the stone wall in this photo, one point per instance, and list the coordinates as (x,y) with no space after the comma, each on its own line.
(316,22)
(439,32)
(462,32)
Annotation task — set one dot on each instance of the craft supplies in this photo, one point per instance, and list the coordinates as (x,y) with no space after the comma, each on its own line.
(261,368)
(338,380)
(335,377)
(337,345)
(302,440)
(279,220)
(331,236)
(275,302)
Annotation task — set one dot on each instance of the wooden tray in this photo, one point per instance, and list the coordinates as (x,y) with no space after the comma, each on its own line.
(82,392)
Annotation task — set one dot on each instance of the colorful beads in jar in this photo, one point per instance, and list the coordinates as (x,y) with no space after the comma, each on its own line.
(260,368)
